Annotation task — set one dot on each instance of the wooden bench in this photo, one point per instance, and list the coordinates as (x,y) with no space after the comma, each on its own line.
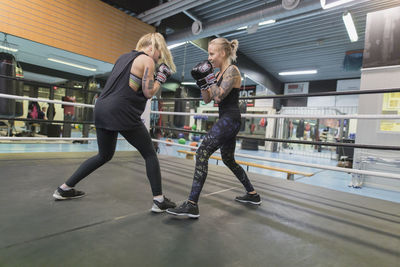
(290,173)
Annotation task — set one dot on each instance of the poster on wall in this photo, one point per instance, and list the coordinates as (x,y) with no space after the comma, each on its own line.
(382,38)
(390,106)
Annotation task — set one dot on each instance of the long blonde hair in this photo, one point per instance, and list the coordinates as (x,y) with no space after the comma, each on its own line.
(157,41)
(230,47)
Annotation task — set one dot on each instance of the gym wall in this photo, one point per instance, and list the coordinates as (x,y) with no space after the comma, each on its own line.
(91,28)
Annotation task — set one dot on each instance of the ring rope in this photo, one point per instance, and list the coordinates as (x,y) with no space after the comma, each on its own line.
(311,165)
(294,116)
(288,116)
(319,143)
(332,93)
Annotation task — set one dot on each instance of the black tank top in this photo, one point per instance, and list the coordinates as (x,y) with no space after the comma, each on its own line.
(229,106)
(119,107)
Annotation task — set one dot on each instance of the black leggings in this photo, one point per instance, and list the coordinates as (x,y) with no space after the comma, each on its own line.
(223,136)
(107,140)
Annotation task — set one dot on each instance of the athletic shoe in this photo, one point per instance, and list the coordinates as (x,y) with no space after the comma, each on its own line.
(60,194)
(249,198)
(186,209)
(162,206)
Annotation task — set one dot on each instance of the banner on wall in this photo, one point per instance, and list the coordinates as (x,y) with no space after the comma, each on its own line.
(382,38)
(390,106)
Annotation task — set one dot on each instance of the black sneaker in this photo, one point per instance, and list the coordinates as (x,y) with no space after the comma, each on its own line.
(186,209)
(60,194)
(249,198)
(162,206)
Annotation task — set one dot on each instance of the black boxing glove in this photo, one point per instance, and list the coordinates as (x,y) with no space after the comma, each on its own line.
(163,73)
(203,73)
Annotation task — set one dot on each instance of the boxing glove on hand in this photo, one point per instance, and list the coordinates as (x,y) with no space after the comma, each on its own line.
(203,73)
(163,73)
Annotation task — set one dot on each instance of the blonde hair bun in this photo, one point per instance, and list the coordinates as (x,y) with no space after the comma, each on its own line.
(230,47)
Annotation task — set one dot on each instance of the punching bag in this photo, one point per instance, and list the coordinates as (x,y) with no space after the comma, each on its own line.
(179,120)
(19,90)
(7,86)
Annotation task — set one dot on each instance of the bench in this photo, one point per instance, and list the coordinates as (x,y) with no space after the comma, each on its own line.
(290,173)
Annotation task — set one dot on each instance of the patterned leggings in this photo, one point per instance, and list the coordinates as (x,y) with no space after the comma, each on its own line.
(223,136)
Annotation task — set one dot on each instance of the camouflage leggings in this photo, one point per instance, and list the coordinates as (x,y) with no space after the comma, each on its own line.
(223,136)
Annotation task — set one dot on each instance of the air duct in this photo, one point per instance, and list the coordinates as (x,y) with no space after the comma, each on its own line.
(248,17)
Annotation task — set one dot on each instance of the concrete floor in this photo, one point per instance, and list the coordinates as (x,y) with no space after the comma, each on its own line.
(296,225)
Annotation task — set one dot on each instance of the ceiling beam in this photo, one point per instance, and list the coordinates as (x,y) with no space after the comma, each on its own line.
(169,9)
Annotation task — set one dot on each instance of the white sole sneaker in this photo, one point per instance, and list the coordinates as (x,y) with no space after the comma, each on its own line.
(247,201)
(156,209)
(57,196)
(184,214)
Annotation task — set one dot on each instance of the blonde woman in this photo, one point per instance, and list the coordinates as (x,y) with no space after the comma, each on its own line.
(224,90)
(118,110)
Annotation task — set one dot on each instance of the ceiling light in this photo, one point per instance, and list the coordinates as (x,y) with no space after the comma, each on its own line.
(175,45)
(71,64)
(332,3)
(265,22)
(351,29)
(8,48)
(300,72)
(188,83)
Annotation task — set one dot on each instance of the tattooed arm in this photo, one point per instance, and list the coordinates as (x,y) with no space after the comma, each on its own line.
(149,86)
(231,79)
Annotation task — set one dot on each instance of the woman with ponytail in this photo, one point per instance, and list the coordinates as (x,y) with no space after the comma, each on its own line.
(135,78)
(224,90)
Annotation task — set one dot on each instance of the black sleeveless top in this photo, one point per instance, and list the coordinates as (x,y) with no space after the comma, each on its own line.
(229,106)
(119,107)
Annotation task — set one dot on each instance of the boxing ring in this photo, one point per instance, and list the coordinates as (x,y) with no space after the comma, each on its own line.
(297,224)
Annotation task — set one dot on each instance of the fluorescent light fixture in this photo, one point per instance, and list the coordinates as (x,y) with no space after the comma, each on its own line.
(176,45)
(8,48)
(351,29)
(71,64)
(265,22)
(332,3)
(300,72)
(78,86)
(188,83)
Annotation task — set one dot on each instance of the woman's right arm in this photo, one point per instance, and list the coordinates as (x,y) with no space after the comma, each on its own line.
(149,86)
